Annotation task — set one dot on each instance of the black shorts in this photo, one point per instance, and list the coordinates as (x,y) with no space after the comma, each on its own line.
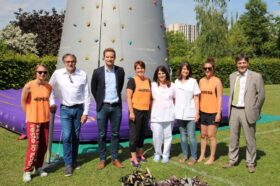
(208,118)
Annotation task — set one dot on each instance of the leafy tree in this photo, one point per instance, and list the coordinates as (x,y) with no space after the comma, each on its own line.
(213,27)
(178,46)
(46,25)
(13,38)
(255,24)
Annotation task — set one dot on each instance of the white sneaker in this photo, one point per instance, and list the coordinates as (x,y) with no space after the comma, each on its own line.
(156,158)
(26,177)
(40,172)
(165,160)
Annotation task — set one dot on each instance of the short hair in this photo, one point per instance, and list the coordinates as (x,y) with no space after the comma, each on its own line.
(140,63)
(109,50)
(69,54)
(211,61)
(240,57)
(37,66)
(164,70)
(181,66)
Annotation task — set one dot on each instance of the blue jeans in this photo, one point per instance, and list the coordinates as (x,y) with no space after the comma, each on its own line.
(114,115)
(70,119)
(187,129)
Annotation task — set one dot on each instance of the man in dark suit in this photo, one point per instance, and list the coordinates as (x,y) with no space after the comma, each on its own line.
(246,99)
(106,87)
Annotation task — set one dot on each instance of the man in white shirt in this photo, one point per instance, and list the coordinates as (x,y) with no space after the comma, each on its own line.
(245,102)
(71,86)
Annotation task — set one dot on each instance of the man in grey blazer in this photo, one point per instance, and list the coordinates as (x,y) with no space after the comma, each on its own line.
(247,96)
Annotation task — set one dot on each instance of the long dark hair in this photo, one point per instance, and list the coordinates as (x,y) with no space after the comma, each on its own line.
(164,70)
(182,65)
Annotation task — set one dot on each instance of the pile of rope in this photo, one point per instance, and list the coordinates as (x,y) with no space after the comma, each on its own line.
(145,178)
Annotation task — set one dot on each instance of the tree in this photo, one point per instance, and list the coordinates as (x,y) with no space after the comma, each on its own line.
(213,27)
(13,38)
(178,46)
(47,26)
(255,24)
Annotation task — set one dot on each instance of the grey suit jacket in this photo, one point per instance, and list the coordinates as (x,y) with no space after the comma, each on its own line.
(254,95)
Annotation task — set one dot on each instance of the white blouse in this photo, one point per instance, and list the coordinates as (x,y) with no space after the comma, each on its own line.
(163,105)
(184,98)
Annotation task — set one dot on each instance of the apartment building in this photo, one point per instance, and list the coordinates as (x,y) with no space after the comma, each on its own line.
(190,31)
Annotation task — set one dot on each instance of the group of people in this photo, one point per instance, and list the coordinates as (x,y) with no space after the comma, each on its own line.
(160,102)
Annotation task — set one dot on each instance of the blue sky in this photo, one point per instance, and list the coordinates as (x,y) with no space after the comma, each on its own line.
(175,11)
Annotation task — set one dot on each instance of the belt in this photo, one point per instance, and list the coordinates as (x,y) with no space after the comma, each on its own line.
(112,104)
(237,107)
(73,106)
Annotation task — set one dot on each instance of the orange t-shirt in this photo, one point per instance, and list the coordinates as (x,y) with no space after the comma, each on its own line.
(141,98)
(208,97)
(37,103)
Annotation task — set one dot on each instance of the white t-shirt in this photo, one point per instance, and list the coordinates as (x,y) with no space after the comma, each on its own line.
(163,105)
(184,98)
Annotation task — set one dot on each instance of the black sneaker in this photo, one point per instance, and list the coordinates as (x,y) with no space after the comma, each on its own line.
(77,166)
(68,171)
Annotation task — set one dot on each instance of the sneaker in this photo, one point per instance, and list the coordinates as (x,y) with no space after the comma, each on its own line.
(40,172)
(156,158)
(141,158)
(77,166)
(68,171)
(165,160)
(135,163)
(26,177)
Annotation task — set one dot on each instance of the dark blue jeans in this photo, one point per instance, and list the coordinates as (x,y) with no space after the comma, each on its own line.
(114,115)
(70,118)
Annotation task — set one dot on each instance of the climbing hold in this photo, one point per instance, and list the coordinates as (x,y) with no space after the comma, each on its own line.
(113,40)
(80,41)
(114,7)
(158,47)
(88,24)
(82,7)
(155,2)
(96,40)
(121,59)
(104,24)
(97,6)
(130,8)
(122,26)
(130,42)
(86,58)
(74,25)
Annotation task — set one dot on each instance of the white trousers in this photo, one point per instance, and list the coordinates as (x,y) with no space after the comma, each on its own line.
(162,134)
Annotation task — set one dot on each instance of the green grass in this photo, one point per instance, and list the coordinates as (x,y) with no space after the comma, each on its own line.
(12,156)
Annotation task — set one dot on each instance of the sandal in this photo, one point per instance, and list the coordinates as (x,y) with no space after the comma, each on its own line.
(183,160)
(135,163)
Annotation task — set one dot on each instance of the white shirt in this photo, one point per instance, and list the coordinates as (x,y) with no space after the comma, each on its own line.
(184,99)
(243,79)
(163,106)
(111,95)
(69,93)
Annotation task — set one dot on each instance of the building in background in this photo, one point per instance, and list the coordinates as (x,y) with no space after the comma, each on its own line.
(190,31)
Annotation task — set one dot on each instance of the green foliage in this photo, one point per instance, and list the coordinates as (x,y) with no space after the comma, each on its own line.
(213,27)
(17,41)
(16,70)
(268,67)
(46,25)
(178,46)
(255,24)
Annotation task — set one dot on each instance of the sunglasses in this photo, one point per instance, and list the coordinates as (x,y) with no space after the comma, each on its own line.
(42,72)
(208,68)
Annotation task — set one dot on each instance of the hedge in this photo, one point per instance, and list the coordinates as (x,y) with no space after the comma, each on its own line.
(16,70)
(268,67)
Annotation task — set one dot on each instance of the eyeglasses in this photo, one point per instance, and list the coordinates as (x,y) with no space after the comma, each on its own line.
(71,81)
(68,62)
(207,68)
(42,72)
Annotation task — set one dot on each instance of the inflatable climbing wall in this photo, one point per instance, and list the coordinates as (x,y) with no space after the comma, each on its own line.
(134,28)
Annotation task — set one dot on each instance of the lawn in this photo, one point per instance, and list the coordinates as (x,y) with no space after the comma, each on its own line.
(267,173)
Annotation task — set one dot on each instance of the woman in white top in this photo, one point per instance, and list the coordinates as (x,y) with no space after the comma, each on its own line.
(162,116)
(187,110)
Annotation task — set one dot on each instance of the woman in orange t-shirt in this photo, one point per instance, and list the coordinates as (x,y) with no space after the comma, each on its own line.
(35,103)
(210,107)
(138,96)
